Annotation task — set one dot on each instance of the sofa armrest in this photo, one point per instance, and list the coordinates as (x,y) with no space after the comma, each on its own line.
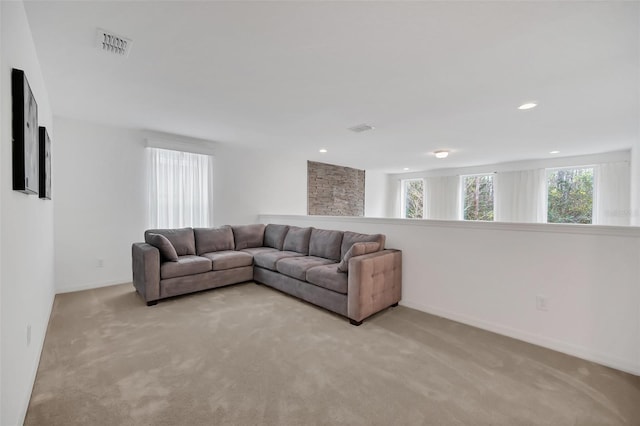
(146,271)
(375,283)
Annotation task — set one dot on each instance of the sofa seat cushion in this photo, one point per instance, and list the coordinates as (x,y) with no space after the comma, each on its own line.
(328,276)
(297,267)
(228,259)
(268,259)
(255,250)
(186,265)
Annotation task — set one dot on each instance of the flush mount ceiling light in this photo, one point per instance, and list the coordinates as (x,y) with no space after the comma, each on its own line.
(361,128)
(528,105)
(405,169)
(554,152)
(112,43)
(441,154)
(322,150)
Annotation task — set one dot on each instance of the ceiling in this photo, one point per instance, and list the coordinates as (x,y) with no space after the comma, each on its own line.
(295,75)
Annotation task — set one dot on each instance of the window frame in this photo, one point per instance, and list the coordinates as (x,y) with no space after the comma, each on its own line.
(462,196)
(403,197)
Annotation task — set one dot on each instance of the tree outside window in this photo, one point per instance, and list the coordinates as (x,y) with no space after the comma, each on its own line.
(413,199)
(570,195)
(478,197)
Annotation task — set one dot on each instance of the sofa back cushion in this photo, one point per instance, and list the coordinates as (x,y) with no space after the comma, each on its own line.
(248,236)
(353,237)
(164,246)
(213,239)
(325,243)
(274,235)
(357,249)
(181,239)
(297,240)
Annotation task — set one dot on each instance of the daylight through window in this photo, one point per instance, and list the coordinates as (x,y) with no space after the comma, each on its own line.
(413,199)
(570,195)
(478,197)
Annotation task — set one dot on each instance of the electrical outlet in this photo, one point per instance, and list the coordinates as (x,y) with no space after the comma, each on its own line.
(542,303)
(28,334)
(100,263)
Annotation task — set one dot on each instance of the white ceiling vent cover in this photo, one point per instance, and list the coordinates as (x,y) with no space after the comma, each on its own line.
(361,128)
(113,43)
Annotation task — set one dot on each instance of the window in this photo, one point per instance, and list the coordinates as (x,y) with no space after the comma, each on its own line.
(179,189)
(570,195)
(413,198)
(477,197)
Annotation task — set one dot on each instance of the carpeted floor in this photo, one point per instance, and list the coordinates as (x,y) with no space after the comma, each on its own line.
(249,355)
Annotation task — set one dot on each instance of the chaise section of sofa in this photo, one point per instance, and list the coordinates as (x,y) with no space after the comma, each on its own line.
(348,273)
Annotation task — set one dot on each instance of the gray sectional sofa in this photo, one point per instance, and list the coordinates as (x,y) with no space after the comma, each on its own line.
(347,273)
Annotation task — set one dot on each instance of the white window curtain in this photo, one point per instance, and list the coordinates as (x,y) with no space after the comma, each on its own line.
(520,196)
(180,188)
(443,197)
(612,194)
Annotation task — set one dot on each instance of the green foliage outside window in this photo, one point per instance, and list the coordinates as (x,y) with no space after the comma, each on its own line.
(414,199)
(570,196)
(478,197)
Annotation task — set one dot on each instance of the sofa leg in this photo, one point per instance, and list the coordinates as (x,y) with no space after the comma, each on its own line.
(394,305)
(354,322)
(152,303)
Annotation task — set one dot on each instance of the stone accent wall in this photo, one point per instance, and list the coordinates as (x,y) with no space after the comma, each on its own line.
(334,190)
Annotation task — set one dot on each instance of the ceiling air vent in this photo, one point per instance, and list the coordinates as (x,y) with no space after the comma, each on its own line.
(112,43)
(361,128)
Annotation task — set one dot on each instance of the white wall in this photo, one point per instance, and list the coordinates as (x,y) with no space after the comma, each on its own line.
(100,190)
(489,274)
(249,181)
(635,185)
(2,95)
(26,253)
(375,194)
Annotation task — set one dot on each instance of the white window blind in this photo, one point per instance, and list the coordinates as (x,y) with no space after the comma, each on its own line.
(180,189)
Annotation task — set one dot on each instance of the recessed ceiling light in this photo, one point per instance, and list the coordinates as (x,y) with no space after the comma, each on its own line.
(441,154)
(322,150)
(405,169)
(528,105)
(554,152)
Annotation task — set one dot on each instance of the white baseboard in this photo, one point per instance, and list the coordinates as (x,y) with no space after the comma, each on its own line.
(556,345)
(34,369)
(69,289)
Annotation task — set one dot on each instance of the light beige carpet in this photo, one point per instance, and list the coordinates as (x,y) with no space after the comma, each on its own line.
(249,355)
